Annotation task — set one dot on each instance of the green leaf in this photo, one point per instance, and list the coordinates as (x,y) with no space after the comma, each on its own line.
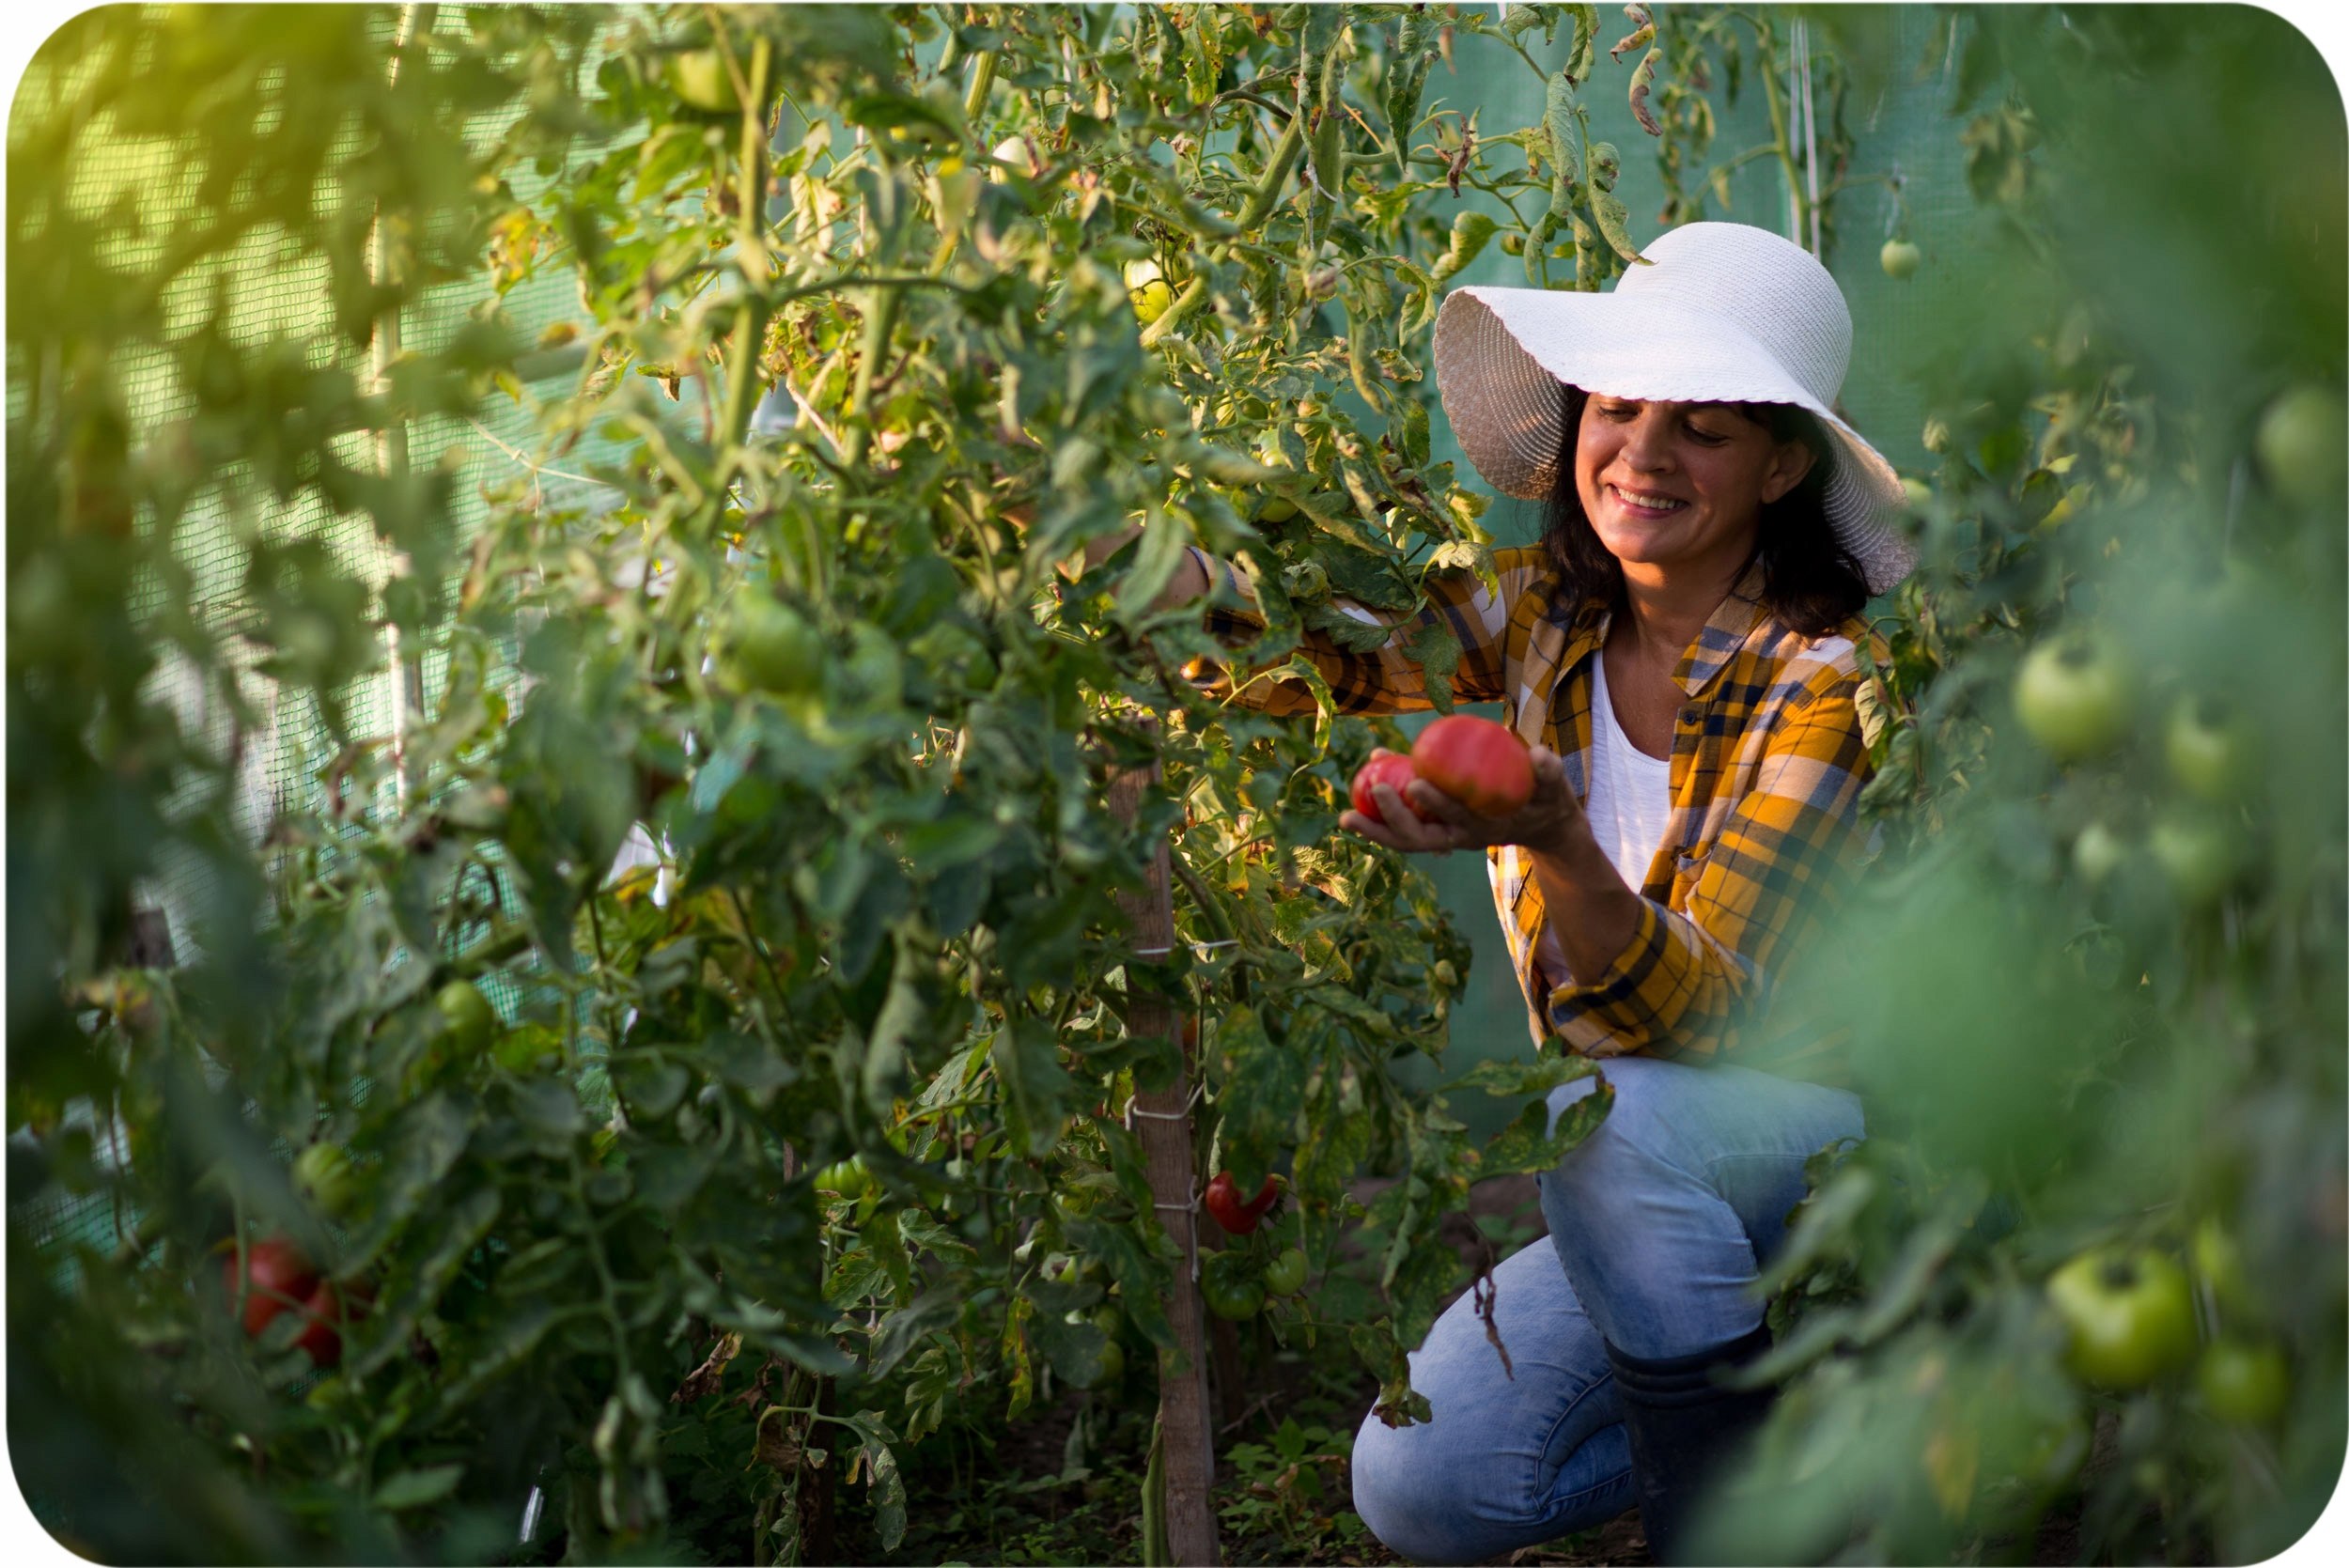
(1613,217)
(1027,1058)
(415,1488)
(1264,1090)
(1437,652)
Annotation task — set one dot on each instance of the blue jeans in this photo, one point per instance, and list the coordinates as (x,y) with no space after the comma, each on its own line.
(1661,1220)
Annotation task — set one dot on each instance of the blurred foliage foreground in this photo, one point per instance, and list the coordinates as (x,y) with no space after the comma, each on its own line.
(705,1200)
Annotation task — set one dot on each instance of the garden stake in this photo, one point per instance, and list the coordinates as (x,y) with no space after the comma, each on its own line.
(1166,1144)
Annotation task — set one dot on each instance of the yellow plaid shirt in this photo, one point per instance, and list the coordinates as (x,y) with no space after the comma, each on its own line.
(1769,756)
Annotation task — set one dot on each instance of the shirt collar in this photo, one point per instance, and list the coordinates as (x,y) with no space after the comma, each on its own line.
(1731,622)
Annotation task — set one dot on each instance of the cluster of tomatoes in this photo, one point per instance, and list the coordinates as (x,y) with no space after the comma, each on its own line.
(1482,765)
(2129,1315)
(272,1274)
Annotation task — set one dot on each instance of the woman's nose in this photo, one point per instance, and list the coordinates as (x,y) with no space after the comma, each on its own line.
(1647,442)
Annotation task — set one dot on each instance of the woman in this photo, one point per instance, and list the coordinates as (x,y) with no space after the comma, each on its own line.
(1679,653)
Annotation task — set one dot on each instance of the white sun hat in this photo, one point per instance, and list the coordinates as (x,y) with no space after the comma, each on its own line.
(1726,313)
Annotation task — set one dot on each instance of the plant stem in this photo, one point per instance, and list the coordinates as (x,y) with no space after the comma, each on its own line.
(749,239)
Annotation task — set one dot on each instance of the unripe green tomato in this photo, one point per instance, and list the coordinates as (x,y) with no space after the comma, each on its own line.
(2072,696)
(1916,492)
(2242,1381)
(2097,853)
(1147,288)
(769,647)
(2300,443)
(1012,151)
(467,1019)
(321,1174)
(1285,1274)
(846,1178)
(1898,258)
(2218,1263)
(1279,508)
(1227,1288)
(2201,854)
(702,83)
(2209,747)
(2130,1314)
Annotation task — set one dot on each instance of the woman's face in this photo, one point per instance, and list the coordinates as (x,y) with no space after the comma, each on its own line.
(1677,488)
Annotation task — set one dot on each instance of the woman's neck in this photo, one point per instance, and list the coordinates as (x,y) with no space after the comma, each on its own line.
(1666,610)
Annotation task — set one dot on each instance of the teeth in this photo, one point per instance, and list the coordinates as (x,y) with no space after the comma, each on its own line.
(1652,503)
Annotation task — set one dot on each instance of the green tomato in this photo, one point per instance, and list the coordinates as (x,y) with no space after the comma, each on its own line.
(321,1174)
(2299,443)
(1147,288)
(2209,747)
(468,1021)
(1285,1274)
(1916,492)
(2131,1315)
(1012,151)
(770,646)
(2072,696)
(2199,854)
(1112,1366)
(1898,258)
(702,83)
(2218,1263)
(2097,853)
(2244,1381)
(846,1178)
(1280,508)
(1228,1289)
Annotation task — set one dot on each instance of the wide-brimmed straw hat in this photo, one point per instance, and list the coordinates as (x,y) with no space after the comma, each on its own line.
(1727,313)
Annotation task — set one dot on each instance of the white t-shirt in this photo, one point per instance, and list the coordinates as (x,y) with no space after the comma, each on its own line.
(1629,805)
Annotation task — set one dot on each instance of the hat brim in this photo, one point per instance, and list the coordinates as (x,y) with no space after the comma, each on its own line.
(1500,354)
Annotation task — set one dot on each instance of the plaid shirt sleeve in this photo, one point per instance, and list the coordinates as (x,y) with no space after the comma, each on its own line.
(1688,982)
(1386,678)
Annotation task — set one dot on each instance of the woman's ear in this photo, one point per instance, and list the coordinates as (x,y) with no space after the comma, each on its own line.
(1789,463)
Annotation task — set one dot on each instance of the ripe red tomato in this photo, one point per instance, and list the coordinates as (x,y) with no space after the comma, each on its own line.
(1235,1214)
(277,1275)
(1392,769)
(1480,764)
(281,1278)
(322,1339)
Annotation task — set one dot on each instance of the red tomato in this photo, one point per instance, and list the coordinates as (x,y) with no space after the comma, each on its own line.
(1480,764)
(1235,1214)
(276,1276)
(322,1339)
(1393,770)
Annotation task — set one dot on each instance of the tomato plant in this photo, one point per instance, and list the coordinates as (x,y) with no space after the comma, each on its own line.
(1234,1210)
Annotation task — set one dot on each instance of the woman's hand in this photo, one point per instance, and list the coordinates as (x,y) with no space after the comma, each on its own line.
(1430,821)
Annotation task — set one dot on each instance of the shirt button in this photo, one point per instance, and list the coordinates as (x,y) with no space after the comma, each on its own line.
(1691,715)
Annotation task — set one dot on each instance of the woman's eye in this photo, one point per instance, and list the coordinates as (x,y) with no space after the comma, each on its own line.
(1705,438)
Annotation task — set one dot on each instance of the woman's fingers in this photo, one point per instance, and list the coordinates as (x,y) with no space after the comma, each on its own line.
(1429,801)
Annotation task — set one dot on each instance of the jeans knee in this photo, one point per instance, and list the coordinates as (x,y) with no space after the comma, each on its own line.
(1403,1492)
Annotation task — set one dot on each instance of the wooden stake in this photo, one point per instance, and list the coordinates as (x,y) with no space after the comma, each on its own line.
(1162,1121)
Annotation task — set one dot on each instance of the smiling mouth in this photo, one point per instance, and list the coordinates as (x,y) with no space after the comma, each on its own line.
(1655,505)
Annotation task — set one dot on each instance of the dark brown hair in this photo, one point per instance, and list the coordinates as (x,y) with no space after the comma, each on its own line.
(1810,579)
